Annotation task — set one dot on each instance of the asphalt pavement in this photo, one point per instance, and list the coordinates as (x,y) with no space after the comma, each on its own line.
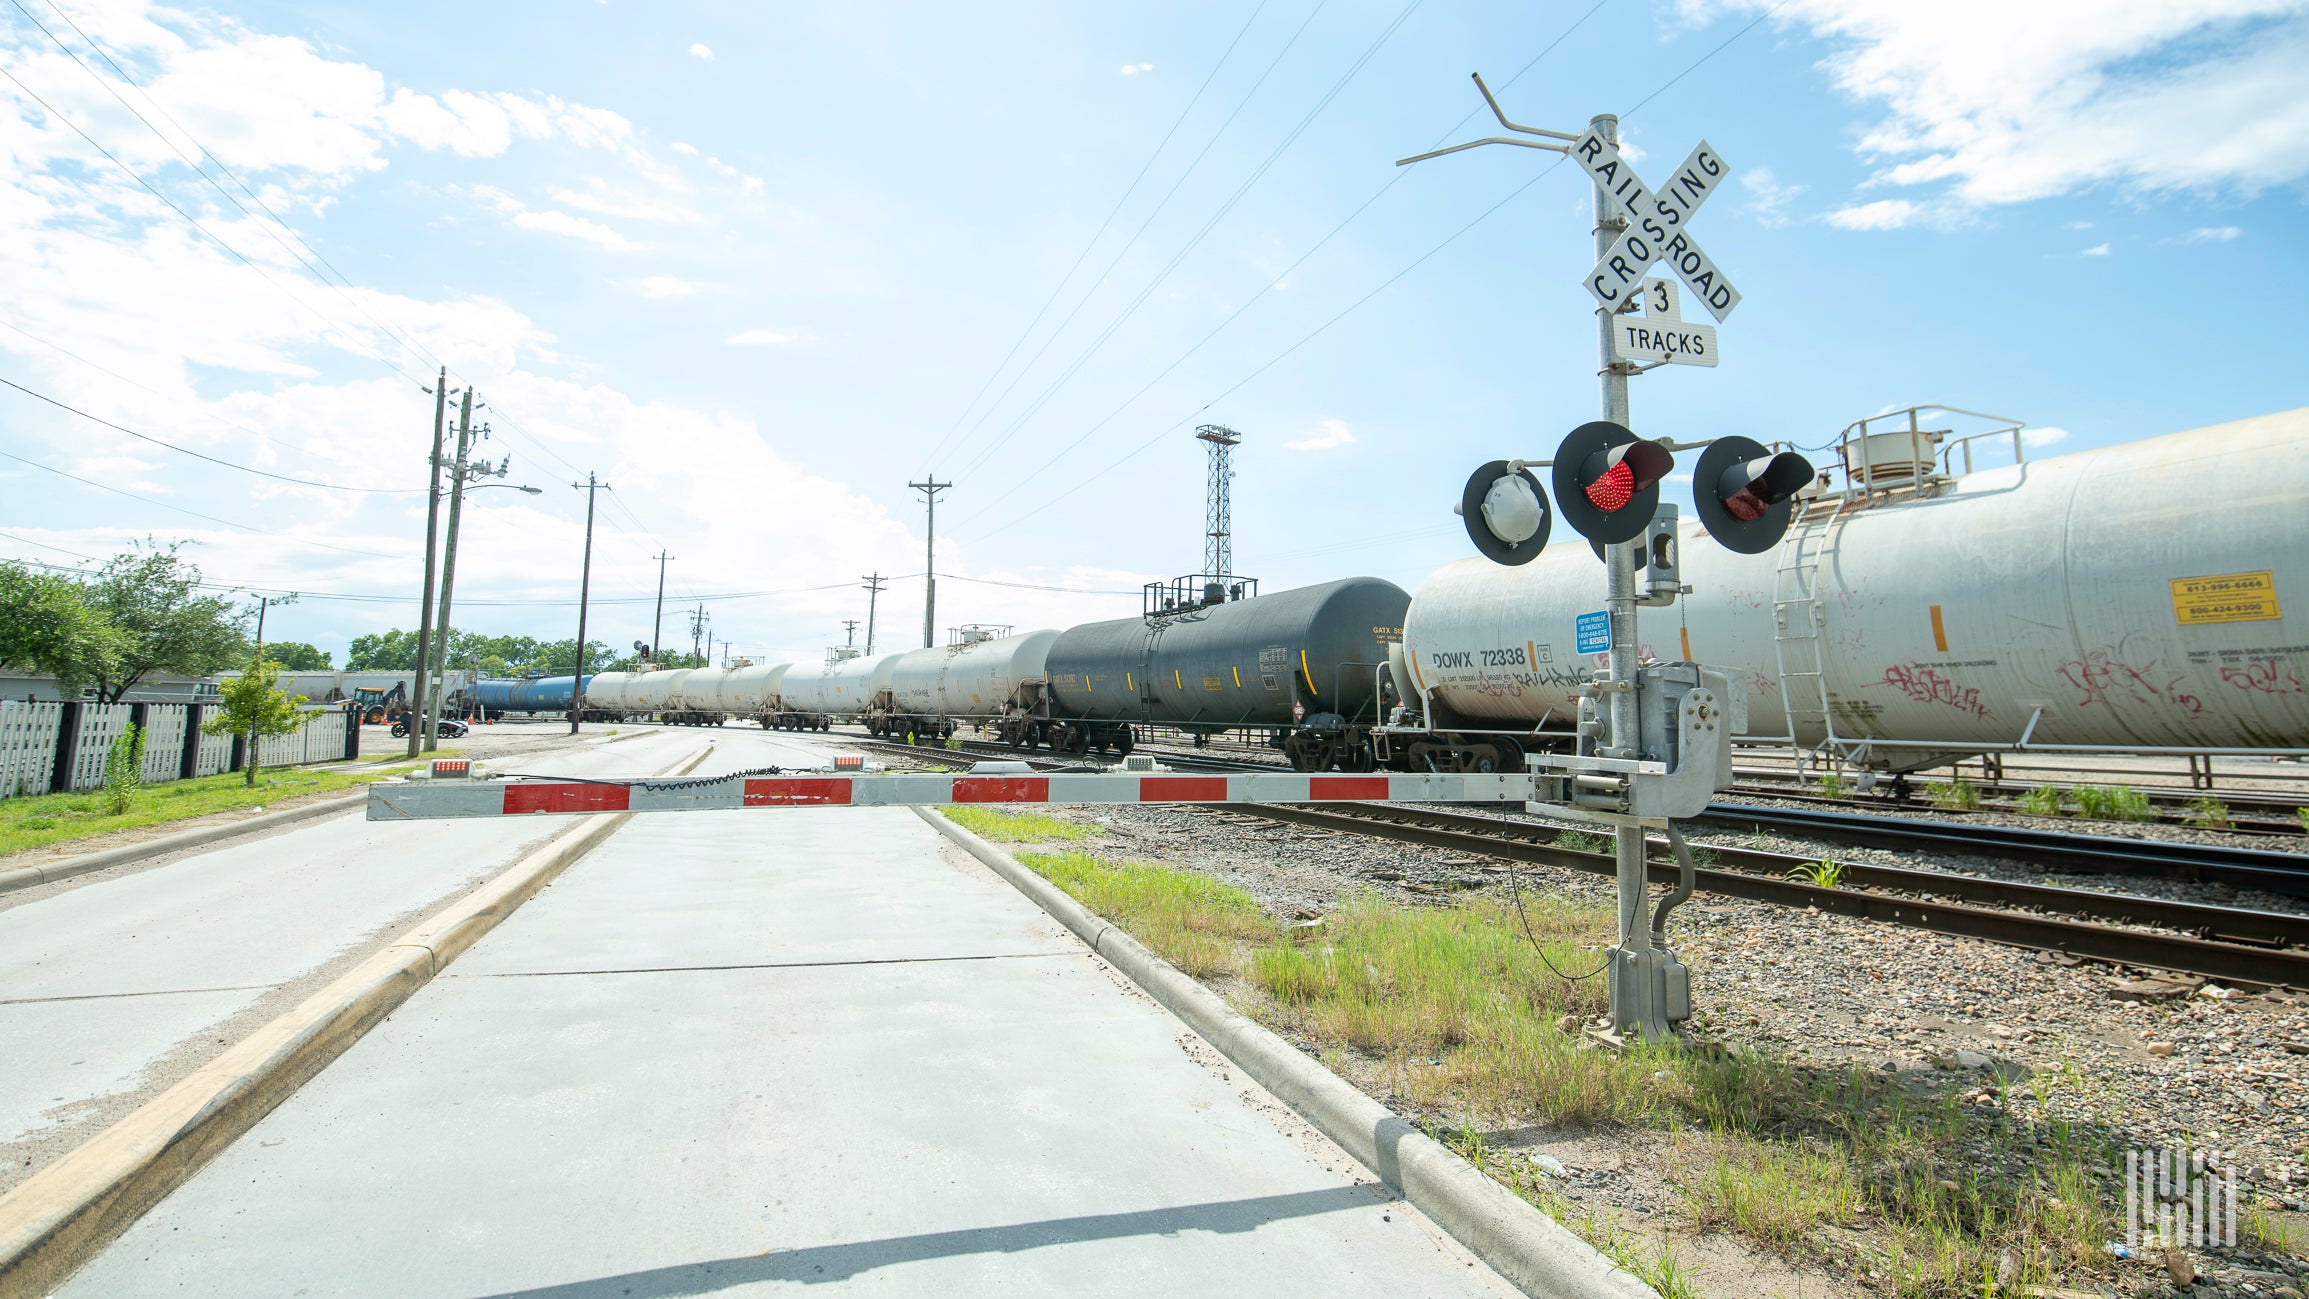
(731,1052)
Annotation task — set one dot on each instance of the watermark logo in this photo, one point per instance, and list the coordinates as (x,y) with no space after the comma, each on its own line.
(2180,1197)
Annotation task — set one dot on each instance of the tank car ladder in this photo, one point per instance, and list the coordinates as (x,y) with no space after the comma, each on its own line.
(1798,624)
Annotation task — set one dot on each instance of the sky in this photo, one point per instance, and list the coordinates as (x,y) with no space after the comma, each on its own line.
(758,268)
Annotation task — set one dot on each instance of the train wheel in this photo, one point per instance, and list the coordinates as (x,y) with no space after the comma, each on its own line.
(1078,740)
(1122,742)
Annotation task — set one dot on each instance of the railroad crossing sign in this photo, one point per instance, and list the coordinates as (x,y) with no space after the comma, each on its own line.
(1657,225)
(1661,335)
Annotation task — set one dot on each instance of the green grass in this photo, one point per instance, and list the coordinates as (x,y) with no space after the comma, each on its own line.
(2208,813)
(1832,785)
(1958,795)
(1016,827)
(1196,923)
(2302,814)
(1581,841)
(1451,1013)
(46,819)
(2044,800)
(2113,803)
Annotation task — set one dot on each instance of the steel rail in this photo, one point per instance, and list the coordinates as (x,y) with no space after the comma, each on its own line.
(2275,872)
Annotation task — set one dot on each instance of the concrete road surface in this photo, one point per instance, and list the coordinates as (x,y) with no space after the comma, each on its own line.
(736,1052)
(103,980)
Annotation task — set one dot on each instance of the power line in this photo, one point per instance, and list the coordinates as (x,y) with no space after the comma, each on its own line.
(245,527)
(1160,204)
(188,451)
(1112,213)
(1448,240)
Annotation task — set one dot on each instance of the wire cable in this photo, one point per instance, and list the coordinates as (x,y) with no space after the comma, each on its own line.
(245,527)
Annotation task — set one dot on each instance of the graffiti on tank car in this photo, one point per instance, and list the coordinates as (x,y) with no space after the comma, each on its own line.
(2190,704)
(2264,676)
(1560,677)
(2100,676)
(1740,599)
(1762,684)
(1926,686)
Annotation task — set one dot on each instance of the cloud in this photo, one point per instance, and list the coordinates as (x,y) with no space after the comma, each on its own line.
(2043,437)
(667,286)
(680,147)
(2077,225)
(771,338)
(1768,199)
(1133,69)
(602,198)
(701,51)
(1990,103)
(2214,234)
(2097,250)
(1883,214)
(1334,435)
(553,222)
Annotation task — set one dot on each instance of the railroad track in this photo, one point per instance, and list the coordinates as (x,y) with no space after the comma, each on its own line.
(2235,945)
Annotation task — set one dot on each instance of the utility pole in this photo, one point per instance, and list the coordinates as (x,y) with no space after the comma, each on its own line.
(657,625)
(590,486)
(929,492)
(698,622)
(873,583)
(432,521)
(850,635)
(431,718)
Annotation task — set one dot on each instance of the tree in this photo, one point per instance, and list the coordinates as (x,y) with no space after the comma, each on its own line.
(253,705)
(297,656)
(388,651)
(148,595)
(46,625)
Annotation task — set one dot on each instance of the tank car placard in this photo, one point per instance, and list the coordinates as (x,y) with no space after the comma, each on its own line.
(2232,597)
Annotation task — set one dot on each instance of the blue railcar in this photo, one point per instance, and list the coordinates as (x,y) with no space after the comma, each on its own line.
(501,695)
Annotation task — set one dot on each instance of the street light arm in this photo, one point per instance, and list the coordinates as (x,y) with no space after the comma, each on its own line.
(1471,144)
(1527,130)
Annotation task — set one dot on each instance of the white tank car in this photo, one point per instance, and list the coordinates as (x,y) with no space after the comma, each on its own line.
(608,691)
(972,680)
(836,689)
(2149,595)
(747,691)
(698,691)
(649,692)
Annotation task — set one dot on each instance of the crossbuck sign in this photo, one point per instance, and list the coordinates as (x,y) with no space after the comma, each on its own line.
(1658,225)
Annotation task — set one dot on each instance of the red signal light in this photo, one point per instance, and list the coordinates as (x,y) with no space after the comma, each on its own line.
(1614,490)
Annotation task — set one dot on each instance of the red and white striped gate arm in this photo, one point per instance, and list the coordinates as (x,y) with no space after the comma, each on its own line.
(436,799)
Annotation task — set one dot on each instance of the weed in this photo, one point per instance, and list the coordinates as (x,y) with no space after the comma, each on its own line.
(1016,827)
(1958,795)
(1658,1268)
(1823,873)
(1580,841)
(2209,813)
(954,743)
(124,770)
(2113,803)
(1775,1193)
(2044,800)
(2302,814)
(1832,785)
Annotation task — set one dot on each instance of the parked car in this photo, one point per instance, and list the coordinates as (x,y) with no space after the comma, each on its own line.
(449,728)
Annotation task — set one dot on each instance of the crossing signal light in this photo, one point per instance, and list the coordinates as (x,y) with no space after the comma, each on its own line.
(1506,513)
(1607,481)
(1746,493)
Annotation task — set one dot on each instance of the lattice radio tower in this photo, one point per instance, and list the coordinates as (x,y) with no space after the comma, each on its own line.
(1218,525)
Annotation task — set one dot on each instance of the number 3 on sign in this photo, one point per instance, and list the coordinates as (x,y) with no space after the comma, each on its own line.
(1659,298)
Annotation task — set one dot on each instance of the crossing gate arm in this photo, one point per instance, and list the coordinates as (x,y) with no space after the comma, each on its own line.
(427,800)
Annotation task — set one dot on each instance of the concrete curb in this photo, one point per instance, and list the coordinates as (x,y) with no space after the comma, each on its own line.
(24,877)
(1533,1251)
(69,1211)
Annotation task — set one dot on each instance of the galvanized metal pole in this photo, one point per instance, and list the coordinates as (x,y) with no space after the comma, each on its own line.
(1632,975)
(432,713)
(416,711)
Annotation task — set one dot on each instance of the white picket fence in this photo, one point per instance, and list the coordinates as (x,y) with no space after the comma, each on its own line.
(31,732)
(27,746)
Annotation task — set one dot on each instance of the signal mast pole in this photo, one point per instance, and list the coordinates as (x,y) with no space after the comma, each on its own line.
(1630,961)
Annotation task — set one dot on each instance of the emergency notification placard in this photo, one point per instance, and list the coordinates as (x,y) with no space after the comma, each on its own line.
(2230,597)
